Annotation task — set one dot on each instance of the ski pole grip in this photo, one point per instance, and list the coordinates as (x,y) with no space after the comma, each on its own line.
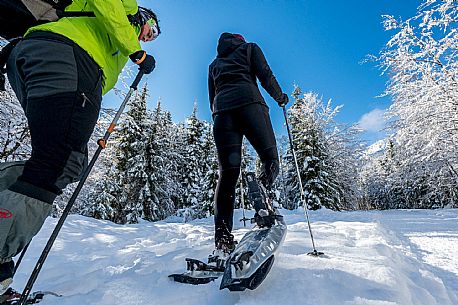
(137,80)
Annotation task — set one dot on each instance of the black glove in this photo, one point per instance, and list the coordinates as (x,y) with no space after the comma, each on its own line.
(283,100)
(146,62)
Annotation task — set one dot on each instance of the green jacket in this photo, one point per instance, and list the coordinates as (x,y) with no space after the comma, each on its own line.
(108,38)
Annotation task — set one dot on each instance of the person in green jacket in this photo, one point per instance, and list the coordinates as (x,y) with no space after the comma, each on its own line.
(59,72)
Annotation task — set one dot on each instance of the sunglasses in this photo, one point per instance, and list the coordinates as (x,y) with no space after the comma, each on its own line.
(149,31)
(154,28)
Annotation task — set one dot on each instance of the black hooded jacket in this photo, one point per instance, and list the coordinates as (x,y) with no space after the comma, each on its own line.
(232,75)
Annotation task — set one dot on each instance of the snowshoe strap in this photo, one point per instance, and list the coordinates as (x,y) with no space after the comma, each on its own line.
(197,265)
(217,261)
(266,221)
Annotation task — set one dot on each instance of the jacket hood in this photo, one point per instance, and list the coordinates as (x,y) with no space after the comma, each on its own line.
(227,43)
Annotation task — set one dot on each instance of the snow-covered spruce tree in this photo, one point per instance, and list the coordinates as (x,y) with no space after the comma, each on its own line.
(308,133)
(107,199)
(174,147)
(280,187)
(131,172)
(162,164)
(192,167)
(179,147)
(421,62)
(102,198)
(327,155)
(210,172)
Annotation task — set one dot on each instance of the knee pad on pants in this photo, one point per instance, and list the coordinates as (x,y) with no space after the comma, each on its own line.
(74,167)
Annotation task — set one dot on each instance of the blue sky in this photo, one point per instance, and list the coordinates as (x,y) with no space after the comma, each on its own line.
(317,45)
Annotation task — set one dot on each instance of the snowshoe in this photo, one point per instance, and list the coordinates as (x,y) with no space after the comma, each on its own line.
(252,259)
(12,297)
(199,272)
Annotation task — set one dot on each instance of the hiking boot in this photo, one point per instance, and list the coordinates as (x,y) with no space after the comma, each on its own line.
(224,241)
(225,244)
(6,276)
(256,193)
(261,199)
(264,219)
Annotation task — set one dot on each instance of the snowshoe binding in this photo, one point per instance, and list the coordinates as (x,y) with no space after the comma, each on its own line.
(199,272)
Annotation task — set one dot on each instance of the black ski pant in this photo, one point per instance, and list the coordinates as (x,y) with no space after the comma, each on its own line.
(60,89)
(253,122)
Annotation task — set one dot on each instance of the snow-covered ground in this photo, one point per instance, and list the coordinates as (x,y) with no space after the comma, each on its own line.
(407,257)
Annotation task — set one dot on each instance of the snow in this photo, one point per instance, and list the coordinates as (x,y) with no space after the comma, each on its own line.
(377,148)
(405,257)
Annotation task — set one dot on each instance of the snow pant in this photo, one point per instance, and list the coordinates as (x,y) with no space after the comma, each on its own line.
(60,89)
(21,217)
(253,122)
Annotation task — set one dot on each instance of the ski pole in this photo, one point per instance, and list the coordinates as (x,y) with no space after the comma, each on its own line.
(242,200)
(242,197)
(314,252)
(283,179)
(102,144)
(16,266)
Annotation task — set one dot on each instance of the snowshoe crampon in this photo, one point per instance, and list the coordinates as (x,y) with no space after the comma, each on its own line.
(252,259)
(194,278)
(199,272)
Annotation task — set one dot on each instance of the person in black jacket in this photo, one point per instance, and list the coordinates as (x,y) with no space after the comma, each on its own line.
(239,110)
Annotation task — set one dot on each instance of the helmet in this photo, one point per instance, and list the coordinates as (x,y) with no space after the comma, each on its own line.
(144,16)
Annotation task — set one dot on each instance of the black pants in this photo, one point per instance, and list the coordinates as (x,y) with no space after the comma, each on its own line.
(253,122)
(60,89)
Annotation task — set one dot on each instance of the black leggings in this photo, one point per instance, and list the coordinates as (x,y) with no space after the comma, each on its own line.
(253,122)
